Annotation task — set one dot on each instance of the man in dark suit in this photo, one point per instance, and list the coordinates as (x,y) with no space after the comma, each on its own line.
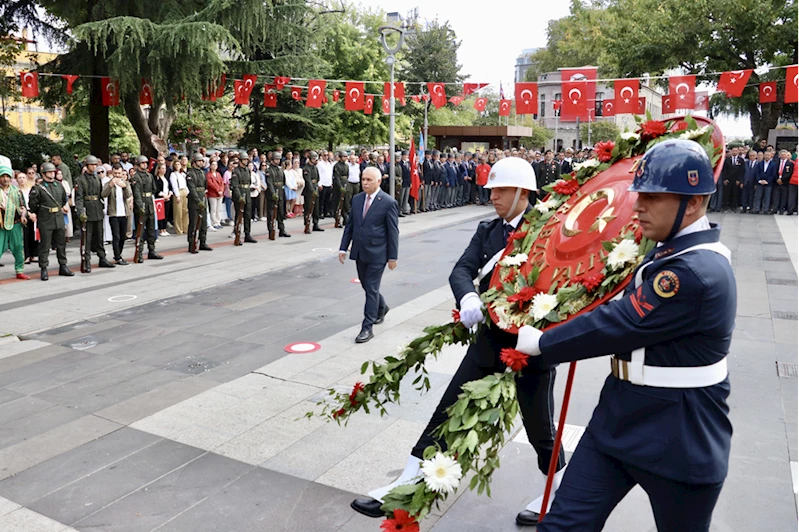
(731,176)
(779,199)
(747,186)
(373,230)
(766,176)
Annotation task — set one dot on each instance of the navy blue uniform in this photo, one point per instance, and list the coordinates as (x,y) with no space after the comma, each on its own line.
(674,442)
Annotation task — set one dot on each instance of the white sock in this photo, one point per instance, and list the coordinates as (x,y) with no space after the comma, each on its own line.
(412,468)
(535,506)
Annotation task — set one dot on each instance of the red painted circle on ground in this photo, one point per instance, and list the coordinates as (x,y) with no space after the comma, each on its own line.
(302,347)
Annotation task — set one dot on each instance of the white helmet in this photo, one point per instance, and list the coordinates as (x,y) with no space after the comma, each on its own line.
(512,172)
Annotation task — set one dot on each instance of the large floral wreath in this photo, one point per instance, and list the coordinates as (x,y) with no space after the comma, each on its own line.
(484,412)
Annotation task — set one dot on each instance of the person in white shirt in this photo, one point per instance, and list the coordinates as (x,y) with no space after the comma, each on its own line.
(290,187)
(353,185)
(163,191)
(180,205)
(119,203)
(325,167)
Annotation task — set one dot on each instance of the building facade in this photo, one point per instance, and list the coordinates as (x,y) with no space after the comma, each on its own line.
(523,63)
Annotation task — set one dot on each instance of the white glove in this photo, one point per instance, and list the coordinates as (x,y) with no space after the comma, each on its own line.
(528,340)
(471,310)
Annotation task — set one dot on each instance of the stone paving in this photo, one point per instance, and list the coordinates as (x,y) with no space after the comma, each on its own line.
(185,413)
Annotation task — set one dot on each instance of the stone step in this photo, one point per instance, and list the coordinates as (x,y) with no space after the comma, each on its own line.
(16,348)
(7,339)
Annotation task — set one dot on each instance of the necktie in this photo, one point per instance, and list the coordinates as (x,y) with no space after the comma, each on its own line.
(508,230)
(368,204)
(782,167)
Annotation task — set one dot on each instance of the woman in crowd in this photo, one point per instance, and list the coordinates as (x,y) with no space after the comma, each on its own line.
(290,188)
(299,181)
(255,191)
(162,191)
(215,187)
(25,182)
(68,227)
(180,205)
(228,200)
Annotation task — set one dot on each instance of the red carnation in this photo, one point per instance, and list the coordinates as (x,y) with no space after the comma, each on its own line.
(401,522)
(456,316)
(339,412)
(515,360)
(355,389)
(652,129)
(604,151)
(638,234)
(682,125)
(566,188)
(511,276)
(523,295)
(591,282)
(517,235)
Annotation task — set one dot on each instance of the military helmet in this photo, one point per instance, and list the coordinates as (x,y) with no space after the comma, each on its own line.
(675,166)
(91,159)
(142,159)
(277,155)
(313,155)
(48,167)
(512,172)
(342,154)
(243,155)
(197,157)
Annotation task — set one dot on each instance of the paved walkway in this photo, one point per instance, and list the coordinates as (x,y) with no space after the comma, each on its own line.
(184,413)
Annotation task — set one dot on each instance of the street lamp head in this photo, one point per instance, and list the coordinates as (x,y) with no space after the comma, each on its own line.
(385,31)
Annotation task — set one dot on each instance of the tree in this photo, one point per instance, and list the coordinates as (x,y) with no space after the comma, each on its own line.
(540,137)
(205,124)
(76,137)
(600,130)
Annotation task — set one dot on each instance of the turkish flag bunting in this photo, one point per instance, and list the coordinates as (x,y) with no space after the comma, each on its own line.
(732,83)
(791,81)
(399,90)
(626,91)
(282,81)
(480,104)
(575,101)
(386,102)
(768,92)
(70,80)
(668,104)
(416,98)
(425,97)
(683,89)
(146,93)
(702,102)
(336,95)
(110,96)
(243,89)
(30,84)
(526,98)
(437,94)
(608,108)
(469,88)
(220,89)
(368,104)
(557,104)
(296,93)
(456,100)
(504,107)
(641,106)
(316,92)
(353,96)
(270,95)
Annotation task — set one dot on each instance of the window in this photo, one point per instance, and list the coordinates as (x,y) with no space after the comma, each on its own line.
(542,106)
(41,126)
(557,97)
(599,98)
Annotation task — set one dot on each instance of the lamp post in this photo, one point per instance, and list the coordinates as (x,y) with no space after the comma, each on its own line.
(390,61)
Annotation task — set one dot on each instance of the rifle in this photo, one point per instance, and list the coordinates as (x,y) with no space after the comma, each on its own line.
(342,192)
(237,229)
(309,214)
(197,222)
(273,221)
(137,255)
(83,247)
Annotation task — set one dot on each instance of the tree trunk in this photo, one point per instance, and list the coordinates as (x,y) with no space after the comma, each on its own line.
(148,130)
(98,121)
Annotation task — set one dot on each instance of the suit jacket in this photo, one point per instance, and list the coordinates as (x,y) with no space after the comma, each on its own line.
(750,172)
(734,173)
(565,167)
(787,172)
(769,174)
(375,238)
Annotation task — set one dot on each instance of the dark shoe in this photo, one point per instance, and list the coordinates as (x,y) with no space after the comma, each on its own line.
(66,272)
(87,268)
(205,247)
(45,275)
(153,256)
(382,316)
(364,336)
(401,215)
(527,518)
(284,234)
(317,228)
(250,240)
(193,251)
(105,264)
(122,262)
(368,507)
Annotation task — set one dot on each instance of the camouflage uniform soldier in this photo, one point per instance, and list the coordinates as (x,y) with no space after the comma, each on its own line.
(91,212)
(195,180)
(48,205)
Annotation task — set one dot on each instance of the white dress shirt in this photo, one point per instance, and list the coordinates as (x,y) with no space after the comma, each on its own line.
(178,180)
(325,173)
(355,173)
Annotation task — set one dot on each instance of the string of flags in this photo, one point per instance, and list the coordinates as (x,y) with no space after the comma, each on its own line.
(577,87)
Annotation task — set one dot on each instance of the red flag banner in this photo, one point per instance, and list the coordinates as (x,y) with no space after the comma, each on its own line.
(792,84)
(243,89)
(386,103)
(30,84)
(399,90)
(470,88)
(270,95)
(768,92)
(220,89)
(456,100)
(296,93)
(438,94)
(480,104)
(608,108)
(70,80)
(146,93)
(683,91)
(316,92)
(668,104)
(626,92)
(416,98)
(368,104)
(110,95)
(732,83)
(281,81)
(526,98)
(702,102)
(336,95)
(160,209)
(575,101)
(504,107)
(353,96)
(556,105)
(425,97)
(415,181)
(641,106)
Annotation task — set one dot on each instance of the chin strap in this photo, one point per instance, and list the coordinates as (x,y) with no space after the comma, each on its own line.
(680,214)
(515,202)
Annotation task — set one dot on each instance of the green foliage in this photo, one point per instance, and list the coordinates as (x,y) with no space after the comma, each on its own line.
(600,130)
(205,124)
(540,137)
(26,149)
(76,137)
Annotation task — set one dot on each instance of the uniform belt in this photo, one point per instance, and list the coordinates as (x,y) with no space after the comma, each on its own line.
(148,194)
(91,198)
(201,190)
(54,209)
(278,183)
(636,372)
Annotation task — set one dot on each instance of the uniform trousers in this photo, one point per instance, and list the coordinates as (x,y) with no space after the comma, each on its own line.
(337,197)
(534,390)
(280,203)
(311,208)
(247,216)
(202,227)
(405,206)
(12,239)
(352,189)
(119,230)
(426,197)
(595,483)
(94,240)
(148,231)
(370,275)
(48,237)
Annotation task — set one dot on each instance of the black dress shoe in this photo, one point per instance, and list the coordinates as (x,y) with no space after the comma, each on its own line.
(368,507)
(401,215)
(250,240)
(382,317)
(194,251)
(205,247)
(152,256)
(63,270)
(527,518)
(122,262)
(317,228)
(284,234)
(364,336)
(45,275)
(105,264)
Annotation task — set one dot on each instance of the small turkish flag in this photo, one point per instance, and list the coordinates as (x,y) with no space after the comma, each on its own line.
(353,96)
(30,84)
(683,89)
(336,95)
(504,108)
(557,104)
(641,106)
(575,103)
(626,91)
(437,94)
(526,98)
(702,102)
(732,83)
(768,92)
(425,97)
(469,88)
(270,95)
(399,90)
(70,80)
(386,102)
(668,104)
(296,93)
(243,89)
(456,100)
(146,93)
(282,81)
(792,84)
(480,104)
(416,98)
(608,108)
(110,96)
(316,92)
(160,209)
(220,89)
(369,103)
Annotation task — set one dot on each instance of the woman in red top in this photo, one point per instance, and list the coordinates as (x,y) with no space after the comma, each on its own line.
(215,186)
(482,171)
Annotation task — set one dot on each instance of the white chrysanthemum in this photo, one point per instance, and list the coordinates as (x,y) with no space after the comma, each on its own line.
(590,163)
(503,322)
(624,252)
(630,136)
(695,133)
(514,260)
(441,473)
(544,206)
(542,305)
